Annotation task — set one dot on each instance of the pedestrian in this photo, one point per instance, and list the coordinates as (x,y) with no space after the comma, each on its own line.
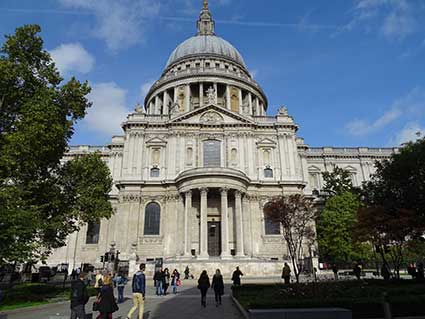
(106,300)
(139,290)
(166,281)
(236,277)
(98,281)
(286,274)
(79,298)
(411,270)
(158,279)
(385,272)
(420,271)
(357,270)
(175,280)
(120,281)
(73,274)
(89,278)
(203,285)
(335,271)
(186,273)
(218,286)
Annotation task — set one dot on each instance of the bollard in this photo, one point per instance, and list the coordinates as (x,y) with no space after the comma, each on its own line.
(386,306)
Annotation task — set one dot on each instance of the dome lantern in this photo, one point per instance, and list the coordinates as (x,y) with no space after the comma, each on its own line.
(205,22)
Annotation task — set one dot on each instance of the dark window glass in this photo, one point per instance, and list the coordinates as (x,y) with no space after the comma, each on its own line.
(212,153)
(93,230)
(268,172)
(272,228)
(155,172)
(152,219)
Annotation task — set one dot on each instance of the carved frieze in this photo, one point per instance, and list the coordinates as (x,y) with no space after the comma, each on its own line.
(151,240)
(211,118)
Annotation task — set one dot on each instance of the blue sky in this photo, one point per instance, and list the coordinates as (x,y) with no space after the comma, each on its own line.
(351,72)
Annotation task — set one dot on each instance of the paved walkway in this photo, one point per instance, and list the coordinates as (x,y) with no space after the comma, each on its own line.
(186,304)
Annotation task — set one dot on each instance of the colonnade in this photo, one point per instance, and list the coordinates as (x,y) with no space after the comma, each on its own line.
(248,102)
(203,227)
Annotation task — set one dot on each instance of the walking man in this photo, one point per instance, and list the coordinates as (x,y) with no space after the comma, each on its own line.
(139,291)
(79,298)
(286,274)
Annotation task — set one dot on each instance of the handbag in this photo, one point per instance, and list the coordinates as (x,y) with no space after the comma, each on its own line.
(95,306)
(178,282)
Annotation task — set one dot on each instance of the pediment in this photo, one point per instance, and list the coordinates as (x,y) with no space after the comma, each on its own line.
(212,115)
(156,141)
(266,142)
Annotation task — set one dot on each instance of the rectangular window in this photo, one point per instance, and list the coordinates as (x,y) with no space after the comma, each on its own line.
(272,228)
(212,153)
(93,230)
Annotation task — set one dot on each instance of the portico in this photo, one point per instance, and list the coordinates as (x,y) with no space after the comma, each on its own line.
(212,196)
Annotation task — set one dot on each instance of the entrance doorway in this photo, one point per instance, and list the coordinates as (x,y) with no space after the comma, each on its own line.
(214,239)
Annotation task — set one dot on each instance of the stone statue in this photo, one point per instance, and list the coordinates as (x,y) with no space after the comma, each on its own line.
(211,96)
(139,108)
(283,111)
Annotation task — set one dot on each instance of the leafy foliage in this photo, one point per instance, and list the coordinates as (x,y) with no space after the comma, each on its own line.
(337,182)
(296,215)
(335,229)
(41,202)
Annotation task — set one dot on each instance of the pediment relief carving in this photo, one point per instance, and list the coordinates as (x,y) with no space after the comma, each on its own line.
(266,142)
(212,114)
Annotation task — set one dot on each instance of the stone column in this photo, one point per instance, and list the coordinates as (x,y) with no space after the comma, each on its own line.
(240,101)
(187,207)
(157,111)
(246,218)
(201,94)
(215,93)
(188,94)
(225,253)
(228,106)
(175,94)
(165,103)
(239,224)
(257,106)
(250,104)
(203,227)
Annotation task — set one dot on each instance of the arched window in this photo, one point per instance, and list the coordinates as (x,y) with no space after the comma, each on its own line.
(271,227)
(268,172)
(93,230)
(212,154)
(152,219)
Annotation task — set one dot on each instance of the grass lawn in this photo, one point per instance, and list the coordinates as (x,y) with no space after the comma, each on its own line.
(364,298)
(28,295)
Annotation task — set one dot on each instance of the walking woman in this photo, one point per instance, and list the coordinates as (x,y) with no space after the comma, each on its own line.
(166,281)
(106,300)
(203,285)
(175,280)
(218,286)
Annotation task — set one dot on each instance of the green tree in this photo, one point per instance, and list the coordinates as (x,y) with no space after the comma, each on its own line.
(337,182)
(335,229)
(42,201)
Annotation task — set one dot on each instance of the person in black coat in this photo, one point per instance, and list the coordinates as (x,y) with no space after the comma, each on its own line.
(106,299)
(218,286)
(236,277)
(203,285)
(79,298)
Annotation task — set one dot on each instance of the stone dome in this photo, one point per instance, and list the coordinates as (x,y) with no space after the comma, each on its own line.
(206,45)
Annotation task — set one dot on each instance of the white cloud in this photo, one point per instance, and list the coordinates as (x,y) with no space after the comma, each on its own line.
(72,57)
(120,24)
(410,133)
(393,19)
(108,110)
(409,106)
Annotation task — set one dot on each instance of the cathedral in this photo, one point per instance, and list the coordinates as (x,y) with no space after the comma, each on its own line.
(196,164)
